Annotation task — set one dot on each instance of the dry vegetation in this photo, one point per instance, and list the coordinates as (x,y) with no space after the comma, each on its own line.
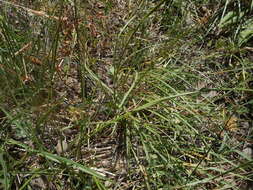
(117,95)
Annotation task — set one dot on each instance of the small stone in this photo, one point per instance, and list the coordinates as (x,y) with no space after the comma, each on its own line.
(248,151)
(62,146)
(108,184)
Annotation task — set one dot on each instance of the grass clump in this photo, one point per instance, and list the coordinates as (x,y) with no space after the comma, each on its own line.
(125,95)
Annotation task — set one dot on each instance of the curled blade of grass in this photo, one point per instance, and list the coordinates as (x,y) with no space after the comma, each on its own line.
(129,91)
(95,77)
(124,27)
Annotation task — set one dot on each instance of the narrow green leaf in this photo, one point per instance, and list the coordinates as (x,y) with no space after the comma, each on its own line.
(59,159)
(157,101)
(95,77)
(129,91)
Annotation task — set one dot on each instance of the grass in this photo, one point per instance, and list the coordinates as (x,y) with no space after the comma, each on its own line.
(126,95)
